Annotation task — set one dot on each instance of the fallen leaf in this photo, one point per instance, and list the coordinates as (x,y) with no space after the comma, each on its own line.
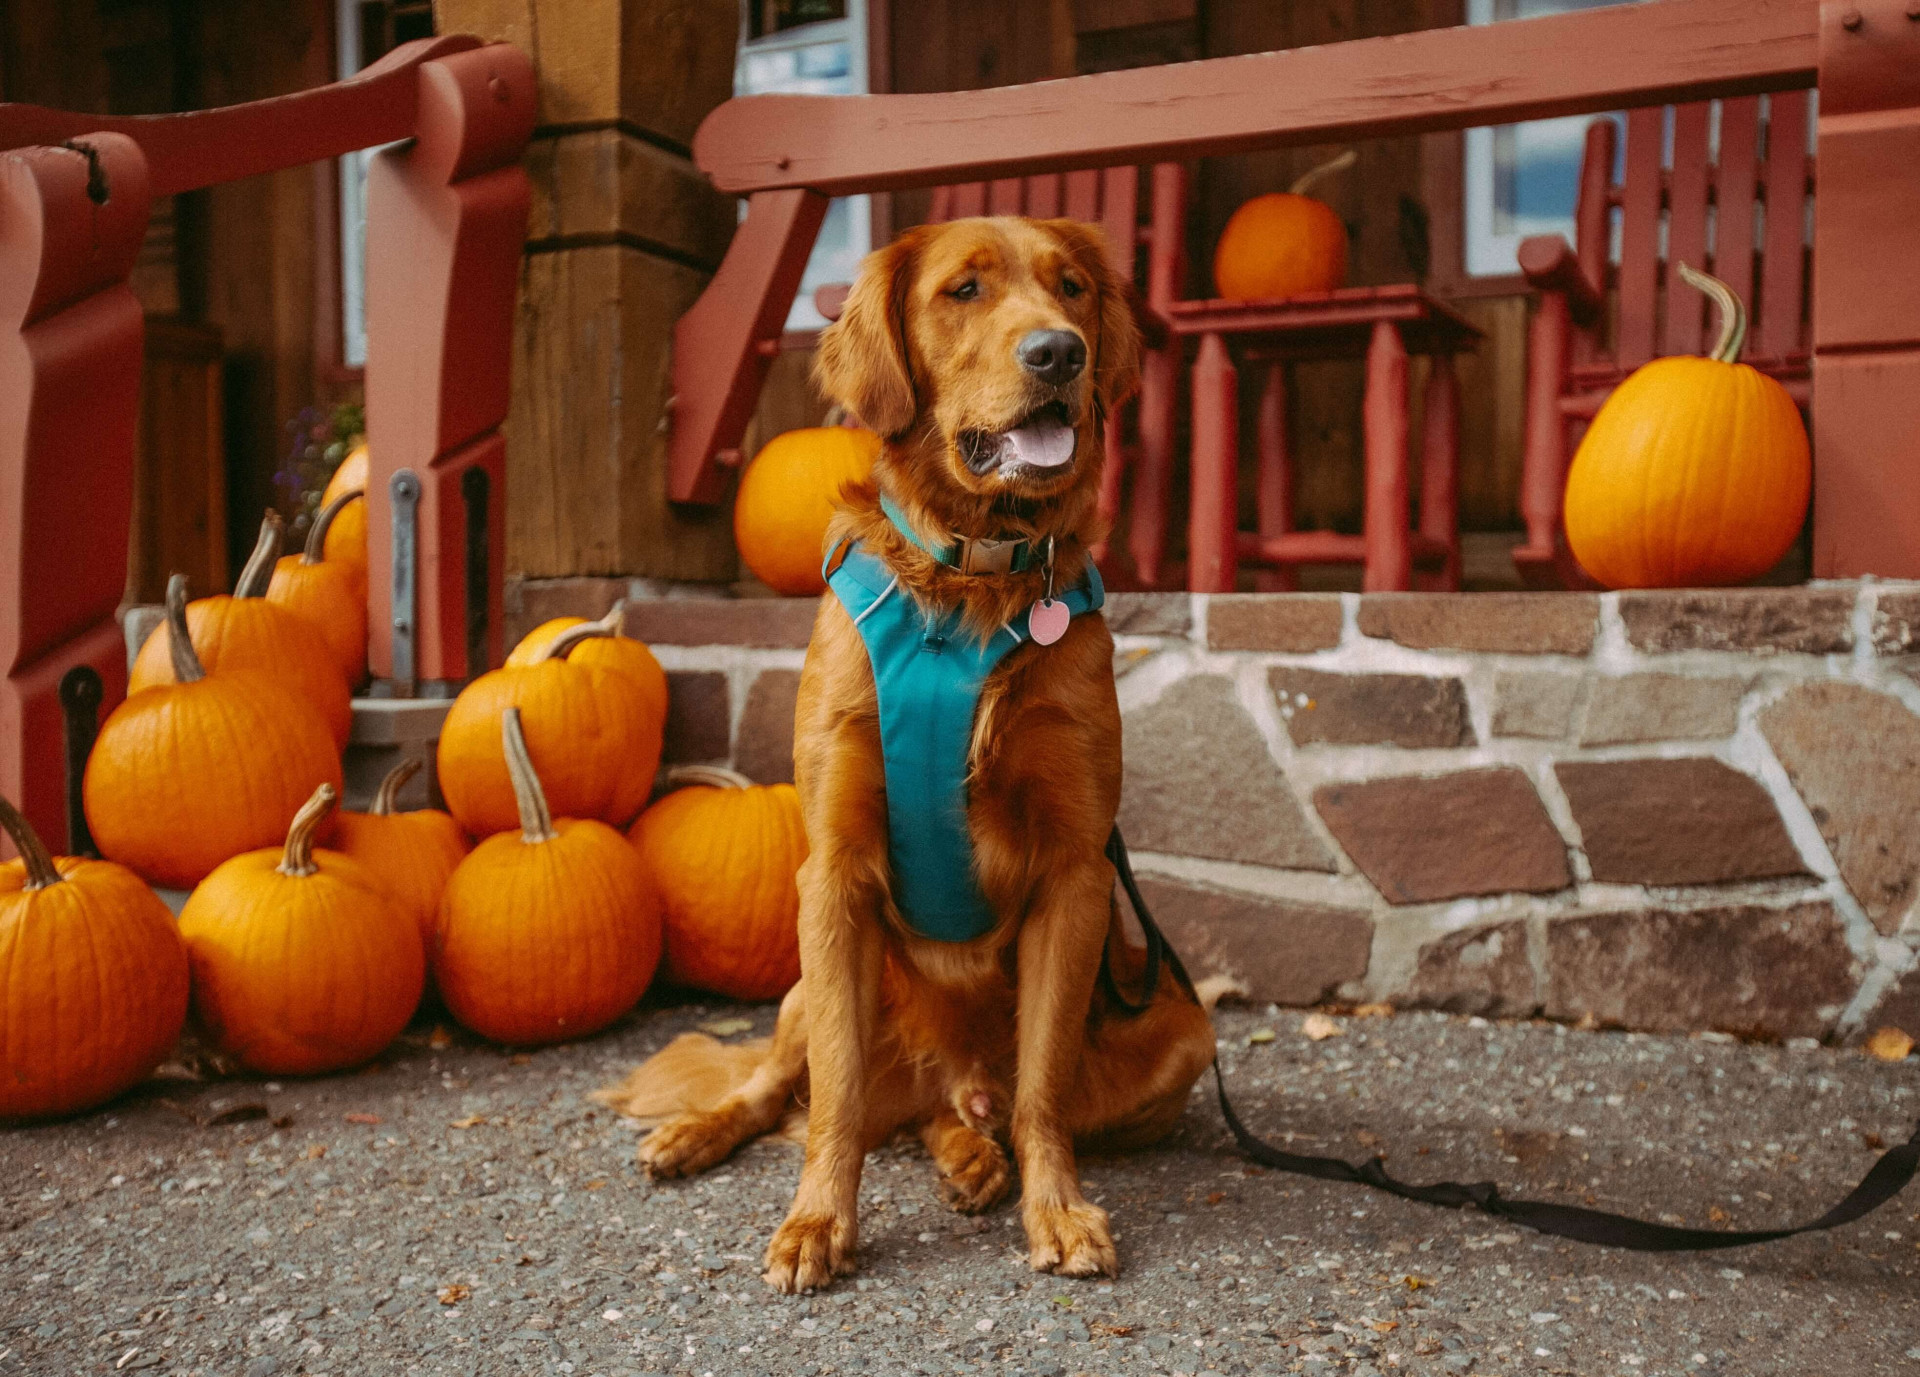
(1260,1035)
(357,1118)
(1318,1028)
(1384,1326)
(1890,1044)
(1381,1010)
(315,1151)
(454,1294)
(1717,1215)
(727,1027)
(1873,1140)
(1416,1283)
(471,1121)
(283,1121)
(519,1059)
(1368,1138)
(597,1184)
(1215,1197)
(440,1037)
(1119,1330)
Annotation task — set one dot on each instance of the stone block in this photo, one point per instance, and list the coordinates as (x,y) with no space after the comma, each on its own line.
(1809,621)
(1423,838)
(1495,623)
(529,602)
(1854,756)
(1412,710)
(764,623)
(1149,614)
(1896,621)
(1200,781)
(1758,972)
(1482,970)
(698,716)
(1695,821)
(1660,707)
(764,752)
(1284,952)
(1527,703)
(1295,623)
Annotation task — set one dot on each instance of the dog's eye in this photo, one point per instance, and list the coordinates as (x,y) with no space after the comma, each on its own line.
(966,291)
(1068,287)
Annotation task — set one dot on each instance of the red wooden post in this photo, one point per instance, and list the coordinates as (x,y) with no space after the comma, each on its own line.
(1866,300)
(1275,496)
(1159,378)
(1544,457)
(1440,473)
(1389,541)
(446,220)
(71,223)
(1214,521)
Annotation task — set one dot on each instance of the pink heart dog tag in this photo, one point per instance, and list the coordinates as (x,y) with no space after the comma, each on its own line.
(1047,621)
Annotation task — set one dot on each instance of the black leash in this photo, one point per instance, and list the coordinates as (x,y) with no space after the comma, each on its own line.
(1887,1178)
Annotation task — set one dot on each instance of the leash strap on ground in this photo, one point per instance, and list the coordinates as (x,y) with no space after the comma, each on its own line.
(1887,1178)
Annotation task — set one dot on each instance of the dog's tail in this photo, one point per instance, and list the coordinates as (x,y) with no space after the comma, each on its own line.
(692,1074)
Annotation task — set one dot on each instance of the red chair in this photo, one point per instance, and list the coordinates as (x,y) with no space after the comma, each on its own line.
(1741,216)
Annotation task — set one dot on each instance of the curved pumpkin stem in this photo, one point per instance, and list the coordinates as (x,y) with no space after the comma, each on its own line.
(317,536)
(187,668)
(536,823)
(297,859)
(258,572)
(41,871)
(388,794)
(608,625)
(1733,313)
(1307,180)
(714,776)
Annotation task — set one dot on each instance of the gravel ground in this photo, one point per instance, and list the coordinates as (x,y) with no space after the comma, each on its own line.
(459,1209)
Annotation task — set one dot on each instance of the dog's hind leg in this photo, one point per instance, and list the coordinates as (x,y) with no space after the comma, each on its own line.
(974,1171)
(1137,1072)
(695,1139)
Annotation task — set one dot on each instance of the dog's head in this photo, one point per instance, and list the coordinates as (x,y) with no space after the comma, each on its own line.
(988,353)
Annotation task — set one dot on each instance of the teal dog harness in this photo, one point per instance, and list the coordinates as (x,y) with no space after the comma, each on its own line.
(928,672)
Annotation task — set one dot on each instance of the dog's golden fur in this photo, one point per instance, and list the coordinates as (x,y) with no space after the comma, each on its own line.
(1007,1037)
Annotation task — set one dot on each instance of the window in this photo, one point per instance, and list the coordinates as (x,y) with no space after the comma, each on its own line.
(811,47)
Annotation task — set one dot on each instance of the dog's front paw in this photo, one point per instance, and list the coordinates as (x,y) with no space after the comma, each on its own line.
(687,1143)
(810,1250)
(1073,1240)
(973,1171)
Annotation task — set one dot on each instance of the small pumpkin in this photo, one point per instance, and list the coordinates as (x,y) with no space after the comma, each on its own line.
(302,961)
(202,766)
(93,974)
(412,853)
(1283,244)
(1695,472)
(346,539)
(786,498)
(248,631)
(594,716)
(723,853)
(549,933)
(332,594)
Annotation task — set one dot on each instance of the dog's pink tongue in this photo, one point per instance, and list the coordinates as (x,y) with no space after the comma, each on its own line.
(1045,442)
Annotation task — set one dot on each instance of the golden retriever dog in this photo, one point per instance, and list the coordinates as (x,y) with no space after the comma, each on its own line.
(989,354)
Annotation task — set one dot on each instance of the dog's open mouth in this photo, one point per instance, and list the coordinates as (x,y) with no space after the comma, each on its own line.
(1044,440)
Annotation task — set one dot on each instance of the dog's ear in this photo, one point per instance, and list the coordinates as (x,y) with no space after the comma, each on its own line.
(862,361)
(1116,359)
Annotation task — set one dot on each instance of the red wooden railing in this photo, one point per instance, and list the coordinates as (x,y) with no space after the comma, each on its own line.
(447,215)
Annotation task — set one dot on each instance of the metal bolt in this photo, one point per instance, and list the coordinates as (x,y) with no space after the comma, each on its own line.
(499,89)
(399,623)
(783,162)
(1850,20)
(1913,10)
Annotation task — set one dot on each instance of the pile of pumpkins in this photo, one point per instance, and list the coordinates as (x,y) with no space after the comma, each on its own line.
(311,934)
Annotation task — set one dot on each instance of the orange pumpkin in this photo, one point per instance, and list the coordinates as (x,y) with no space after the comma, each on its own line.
(594,714)
(549,933)
(302,961)
(723,853)
(203,766)
(92,976)
(346,539)
(1696,471)
(412,853)
(1284,243)
(331,594)
(247,631)
(786,498)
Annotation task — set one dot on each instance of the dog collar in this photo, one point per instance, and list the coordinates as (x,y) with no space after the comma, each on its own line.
(977,556)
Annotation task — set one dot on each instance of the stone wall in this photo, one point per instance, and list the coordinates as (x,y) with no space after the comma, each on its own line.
(1693,810)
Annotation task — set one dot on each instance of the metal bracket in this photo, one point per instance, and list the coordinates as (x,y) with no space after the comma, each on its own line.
(404,502)
(80,695)
(475,488)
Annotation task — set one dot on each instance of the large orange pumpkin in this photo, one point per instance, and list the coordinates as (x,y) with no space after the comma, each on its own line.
(92,977)
(547,933)
(723,853)
(332,594)
(203,766)
(1696,471)
(1282,244)
(412,853)
(302,961)
(346,539)
(594,721)
(786,498)
(247,631)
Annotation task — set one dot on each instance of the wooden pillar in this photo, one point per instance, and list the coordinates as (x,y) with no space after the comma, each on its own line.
(1866,293)
(625,234)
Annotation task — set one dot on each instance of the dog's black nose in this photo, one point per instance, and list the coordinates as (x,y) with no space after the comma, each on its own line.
(1054,356)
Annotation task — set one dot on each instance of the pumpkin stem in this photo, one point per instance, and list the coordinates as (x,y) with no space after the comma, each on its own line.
(536,823)
(1306,181)
(608,625)
(41,870)
(297,859)
(258,572)
(187,668)
(715,776)
(317,536)
(388,795)
(1732,311)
